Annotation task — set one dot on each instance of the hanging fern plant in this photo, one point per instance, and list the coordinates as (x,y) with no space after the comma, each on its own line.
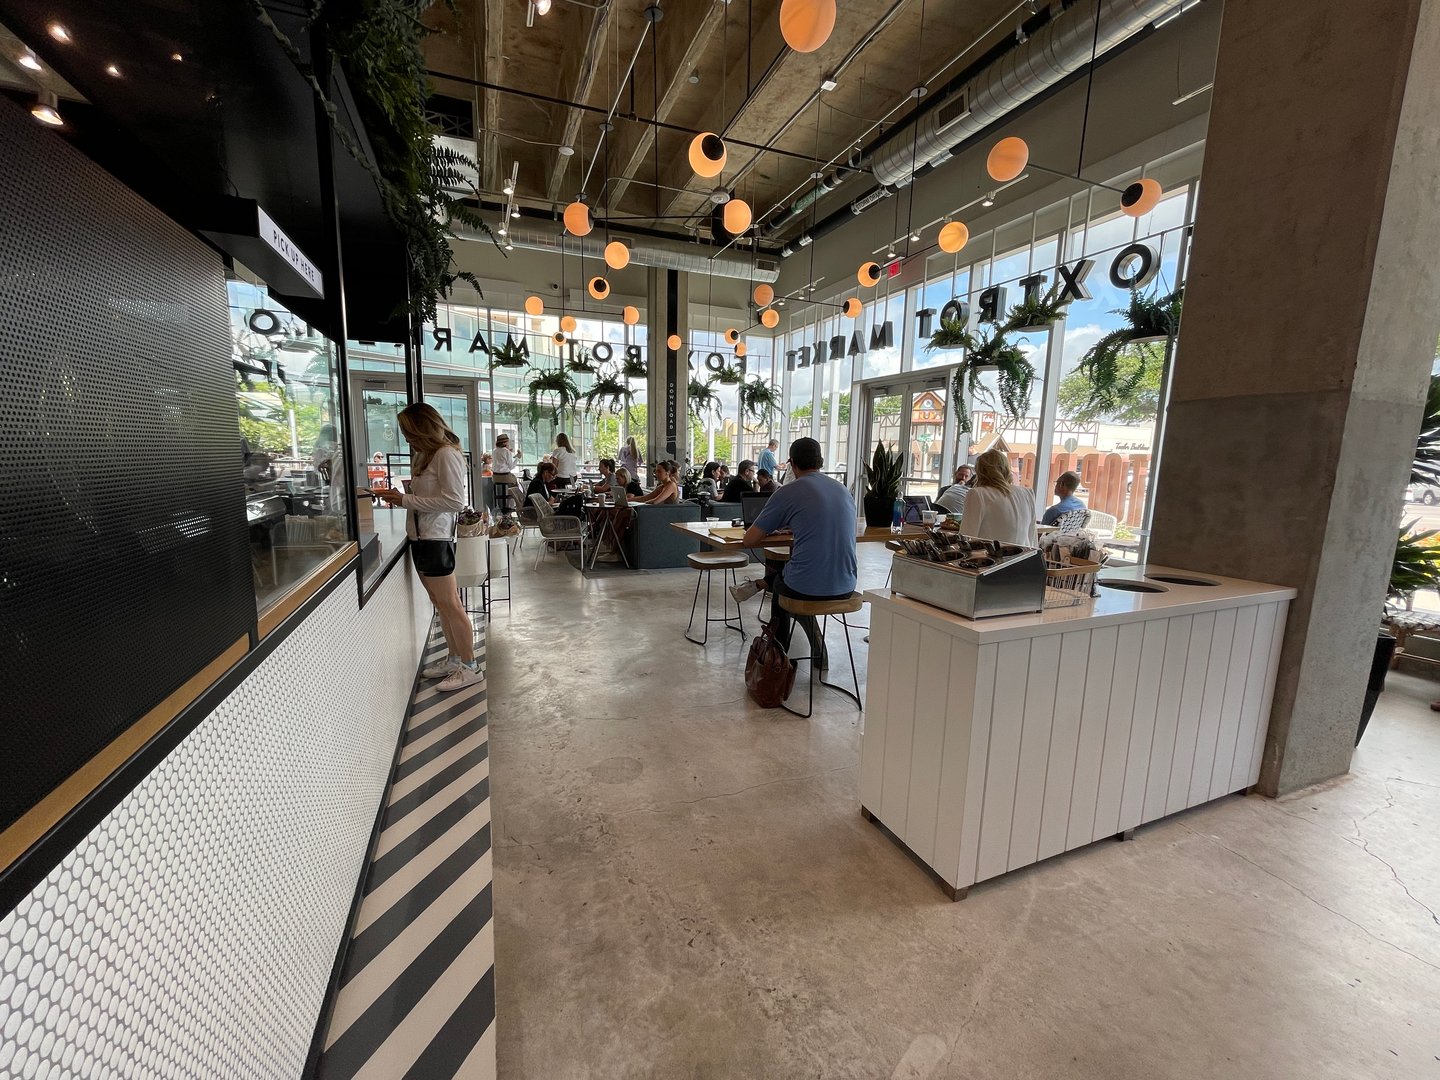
(612,391)
(512,354)
(635,368)
(583,362)
(1147,319)
(1014,374)
(1037,314)
(730,376)
(556,387)
(380,46)
(702,398)
(759,400)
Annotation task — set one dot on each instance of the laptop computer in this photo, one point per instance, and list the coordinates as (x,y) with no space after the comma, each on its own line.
(751,505)
(915,505)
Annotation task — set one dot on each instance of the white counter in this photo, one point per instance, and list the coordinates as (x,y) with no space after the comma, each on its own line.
(992,744)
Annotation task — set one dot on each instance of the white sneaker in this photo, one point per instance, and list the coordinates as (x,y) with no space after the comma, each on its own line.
(747,589)
(460,678)
(441,668)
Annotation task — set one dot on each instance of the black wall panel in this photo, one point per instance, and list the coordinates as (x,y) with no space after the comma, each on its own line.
(124,559)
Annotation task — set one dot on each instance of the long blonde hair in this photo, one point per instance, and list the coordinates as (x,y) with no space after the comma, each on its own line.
(563,441)
(992,469)
(424,429)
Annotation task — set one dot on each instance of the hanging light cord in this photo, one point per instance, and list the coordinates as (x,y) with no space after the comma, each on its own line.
(914,153)
(1089,86)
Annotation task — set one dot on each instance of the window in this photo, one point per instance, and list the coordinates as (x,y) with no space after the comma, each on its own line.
(295,479)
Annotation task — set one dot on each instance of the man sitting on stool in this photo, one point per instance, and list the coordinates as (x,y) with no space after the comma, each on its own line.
(820,514)
(1066,502)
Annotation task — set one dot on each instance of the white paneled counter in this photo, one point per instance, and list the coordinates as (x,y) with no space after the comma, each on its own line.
(992,744)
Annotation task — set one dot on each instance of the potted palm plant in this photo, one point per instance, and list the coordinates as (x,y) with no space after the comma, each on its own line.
(985,352)
(1148,319)
(882,485)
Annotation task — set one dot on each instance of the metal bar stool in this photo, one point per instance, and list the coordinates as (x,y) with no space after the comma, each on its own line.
(706,562)
(821,611)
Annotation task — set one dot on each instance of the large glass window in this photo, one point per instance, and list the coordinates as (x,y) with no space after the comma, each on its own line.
(296,479)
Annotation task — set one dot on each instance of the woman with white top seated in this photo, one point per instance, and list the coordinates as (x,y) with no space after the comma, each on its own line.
(567,464)
(997,508)
(502,470)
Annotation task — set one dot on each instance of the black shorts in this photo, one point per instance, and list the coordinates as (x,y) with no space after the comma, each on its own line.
(433,558)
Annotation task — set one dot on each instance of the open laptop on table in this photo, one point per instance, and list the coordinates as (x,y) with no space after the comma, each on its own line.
(751,505)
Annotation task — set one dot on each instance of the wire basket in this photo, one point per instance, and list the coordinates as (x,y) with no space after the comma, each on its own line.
(1068,581)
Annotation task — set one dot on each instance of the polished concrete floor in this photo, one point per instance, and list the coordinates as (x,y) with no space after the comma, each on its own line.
(684,888)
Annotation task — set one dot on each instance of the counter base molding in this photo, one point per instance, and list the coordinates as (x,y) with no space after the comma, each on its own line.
(985,752)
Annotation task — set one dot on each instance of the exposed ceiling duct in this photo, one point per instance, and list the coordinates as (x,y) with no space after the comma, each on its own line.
(646,252)
(1063,45)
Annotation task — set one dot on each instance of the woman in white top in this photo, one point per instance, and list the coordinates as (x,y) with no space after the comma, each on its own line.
(630,458)
(436,496)
(997,508)
(567,465)
(502,469)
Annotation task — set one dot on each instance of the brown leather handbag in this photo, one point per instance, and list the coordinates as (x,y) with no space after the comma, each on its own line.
(769,672)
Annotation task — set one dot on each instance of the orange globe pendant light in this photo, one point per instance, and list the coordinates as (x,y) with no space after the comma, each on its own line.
(558,338)
(599,288)
(740,349)
(578,221)
(1007,159)
(868,275)
(617,255)
(708,154)
(631,315)
(567,323)
(763,295)
(1141,197)
(534,305)
(673,342)
(851,308)
(732,336)
(770,318)
(737,216)
(954,236)
(806,24)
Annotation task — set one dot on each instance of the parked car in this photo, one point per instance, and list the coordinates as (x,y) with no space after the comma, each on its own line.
(1428,494)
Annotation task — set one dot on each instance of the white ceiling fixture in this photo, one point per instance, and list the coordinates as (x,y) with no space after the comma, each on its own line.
(59,32)
(27,60)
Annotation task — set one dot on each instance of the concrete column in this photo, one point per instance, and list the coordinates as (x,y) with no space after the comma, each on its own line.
(1310,321)
(668,313)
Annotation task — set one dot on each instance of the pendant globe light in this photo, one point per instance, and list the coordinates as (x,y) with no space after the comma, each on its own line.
(631,315)
(732,336)
(558,338)
(599,288)
(868,275)
(1007,159)
(740,348)
(953,237)
(763,295)
(534,305)
(578,221)
(617,255)
(737,216)
(1141,197)
(708,154)
(673,343)
(806,24)
(567,323)
(770,318)
(851,308)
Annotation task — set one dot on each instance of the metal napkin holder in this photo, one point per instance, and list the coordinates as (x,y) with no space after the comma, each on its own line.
(969,576)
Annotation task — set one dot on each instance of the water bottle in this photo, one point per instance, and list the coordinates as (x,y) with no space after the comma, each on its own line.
(897,512)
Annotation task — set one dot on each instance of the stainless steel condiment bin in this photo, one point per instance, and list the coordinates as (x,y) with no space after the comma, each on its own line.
(1015,584)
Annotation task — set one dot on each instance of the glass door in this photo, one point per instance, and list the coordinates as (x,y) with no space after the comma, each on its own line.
(909,417)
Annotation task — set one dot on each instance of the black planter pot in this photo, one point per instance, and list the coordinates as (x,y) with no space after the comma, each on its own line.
(1379,666)
(879,510)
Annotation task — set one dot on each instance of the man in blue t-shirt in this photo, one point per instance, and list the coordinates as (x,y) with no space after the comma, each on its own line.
(766,458)
(820,514)
(1065,488)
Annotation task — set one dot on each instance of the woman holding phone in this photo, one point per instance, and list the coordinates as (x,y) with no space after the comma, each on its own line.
(435,498)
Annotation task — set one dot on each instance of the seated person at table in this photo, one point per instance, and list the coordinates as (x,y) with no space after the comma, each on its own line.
(625,482)
(709,486)
(666,488)
(544,476)
(741,484)
(952,496)
(1065,488)
(764,480)
(997,508)
(606,483)
(820,514)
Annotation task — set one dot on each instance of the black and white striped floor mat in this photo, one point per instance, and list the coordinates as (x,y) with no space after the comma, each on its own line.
(417,996)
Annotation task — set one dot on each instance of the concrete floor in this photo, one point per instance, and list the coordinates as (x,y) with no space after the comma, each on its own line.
(685,888)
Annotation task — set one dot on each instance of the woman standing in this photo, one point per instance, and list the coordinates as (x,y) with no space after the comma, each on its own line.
(567,464)
(436,496)
(997,508)
(630,458)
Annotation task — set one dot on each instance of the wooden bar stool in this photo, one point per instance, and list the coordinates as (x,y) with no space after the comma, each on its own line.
(706,562)
(821,611)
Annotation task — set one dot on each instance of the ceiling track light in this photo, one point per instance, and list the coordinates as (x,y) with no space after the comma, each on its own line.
(28,60)
(46,109)
(59,32)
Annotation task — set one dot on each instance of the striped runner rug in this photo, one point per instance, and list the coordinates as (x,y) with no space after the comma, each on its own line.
(417,994)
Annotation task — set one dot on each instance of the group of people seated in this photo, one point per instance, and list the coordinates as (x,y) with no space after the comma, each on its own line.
(993,506)
(718,485)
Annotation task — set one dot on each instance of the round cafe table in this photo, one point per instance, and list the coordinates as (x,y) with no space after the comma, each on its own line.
(606,517)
